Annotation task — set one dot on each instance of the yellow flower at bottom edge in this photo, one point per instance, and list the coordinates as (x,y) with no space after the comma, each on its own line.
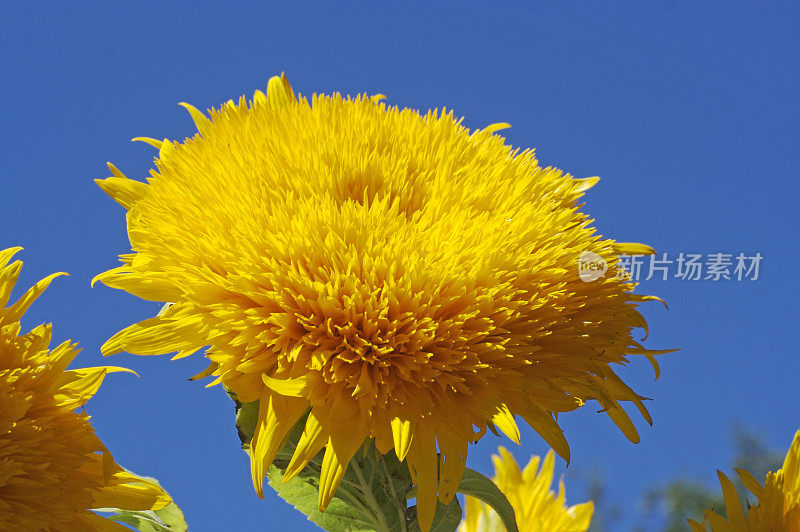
(777,507)
(390,273)
(53,467)
(536,507)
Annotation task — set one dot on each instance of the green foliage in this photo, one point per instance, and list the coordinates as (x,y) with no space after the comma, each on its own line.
(167,519)
(374,492)
(482,488)
(606,513)
(667,506)
(302,492)
(752,454)
(446,519)
(679,500)
(371,496)
(686,498)
(246,417)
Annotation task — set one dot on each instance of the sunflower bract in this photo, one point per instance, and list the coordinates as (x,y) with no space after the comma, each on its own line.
(403,278)
(53,467)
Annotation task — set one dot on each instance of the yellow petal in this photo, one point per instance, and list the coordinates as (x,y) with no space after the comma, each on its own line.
(473,511)
(343,443)
(403,435)
(454,456)
(201,121)
(640,297)
(147,140)
(582,515)
(98,523)
(422,463)
(109,466)
(312,440)
(155,336)
(545,477)
(289,387)
(791,468)
(544,424)
(124,489)
(151,287)
(165,149)
(735,515)
(504,420)
(279,91)
(384,442)
(124,191)
(621,420)
(750,482)
(139,496)
(508,472)
(276,416)
(695,526)
(16,311)
(8,277)
(632,248)
(259,98)
(582,185)
(212,367)
(74,387)
(6,254)
(494,128)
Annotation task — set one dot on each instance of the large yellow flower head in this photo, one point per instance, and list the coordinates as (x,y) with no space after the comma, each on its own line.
(777,506)
(53,467)
(536,507)
(403,278)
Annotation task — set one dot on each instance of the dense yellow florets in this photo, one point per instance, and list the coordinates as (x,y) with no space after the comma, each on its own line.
(400,276)
(53,467)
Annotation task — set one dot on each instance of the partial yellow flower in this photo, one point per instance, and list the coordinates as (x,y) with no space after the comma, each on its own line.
(777,506)
(536,507)
(53,467)
(399,276)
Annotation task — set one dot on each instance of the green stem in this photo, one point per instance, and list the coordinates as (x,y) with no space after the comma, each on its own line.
(343,492)
(366,489)
(353,501)
(388,486)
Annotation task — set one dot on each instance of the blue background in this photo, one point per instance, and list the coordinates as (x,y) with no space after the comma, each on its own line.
(688,111)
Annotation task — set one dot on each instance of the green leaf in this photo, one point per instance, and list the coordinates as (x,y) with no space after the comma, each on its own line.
(371,496)
(302,492)
(167,519)
(480,487)
(246,418)
(447,517)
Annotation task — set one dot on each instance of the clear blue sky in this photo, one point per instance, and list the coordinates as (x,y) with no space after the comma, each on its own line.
(687,110)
